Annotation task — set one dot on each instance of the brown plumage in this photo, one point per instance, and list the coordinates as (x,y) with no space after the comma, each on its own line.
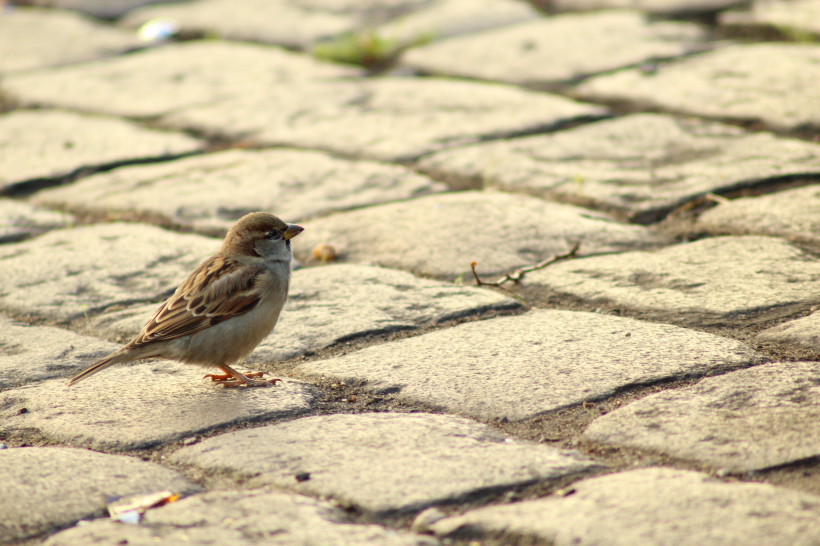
(225,308)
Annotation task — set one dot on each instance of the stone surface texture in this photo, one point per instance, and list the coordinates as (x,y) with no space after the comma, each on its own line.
(639,166)
(374,9)
(20,220)
(337,303)
(52,145)
(653,506)
(33,353)
(304,23)
(162,80)
(797,16)
(46,488)
(138,406)
(272,21)
(383,463)
(441,19)
(237,518)
(104,9)
(722,276)
(499,231)
(36,38)
(791,214)
(91,268)
(742,421)
(804,332)
(211,192)
(770,83)
(523,366)
(389,119)
(561,49)
(636,182)
(658,7)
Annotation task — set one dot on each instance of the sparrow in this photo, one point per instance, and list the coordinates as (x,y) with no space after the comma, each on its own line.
(224,309)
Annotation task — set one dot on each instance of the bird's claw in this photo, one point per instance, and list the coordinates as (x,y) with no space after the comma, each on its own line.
(239,380)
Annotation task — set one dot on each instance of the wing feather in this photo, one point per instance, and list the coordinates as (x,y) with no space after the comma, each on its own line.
(216,291)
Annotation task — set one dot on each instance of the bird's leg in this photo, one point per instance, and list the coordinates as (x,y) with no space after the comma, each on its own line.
(232,378)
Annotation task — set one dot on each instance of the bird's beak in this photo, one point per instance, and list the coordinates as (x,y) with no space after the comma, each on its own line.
(292,231)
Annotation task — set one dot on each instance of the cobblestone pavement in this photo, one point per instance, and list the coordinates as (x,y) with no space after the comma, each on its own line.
(659,387)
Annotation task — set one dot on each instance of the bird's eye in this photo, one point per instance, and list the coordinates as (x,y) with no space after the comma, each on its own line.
(274,234)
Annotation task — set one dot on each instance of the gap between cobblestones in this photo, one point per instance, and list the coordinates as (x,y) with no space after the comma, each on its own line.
(32,186)
(677,223)
(621,108)
(560,429)
(680,223)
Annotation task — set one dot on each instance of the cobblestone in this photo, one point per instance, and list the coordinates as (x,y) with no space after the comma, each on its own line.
(518,367)
(639,166)
(20,221)
(92,268)
(767,83)
(558,50)
(389,119)
(652,506)
(37,38)
(802,332)
(659,7)
(162,80)
(382,462)
(104,9)
(45,489)
(739,422)
(138,406)
(499,231)
(719,277)
(792,18)
(33,353)
(446,18)
(46,147)
(273,21)
(293,519)
(790,214)
(211,192)
(577,402)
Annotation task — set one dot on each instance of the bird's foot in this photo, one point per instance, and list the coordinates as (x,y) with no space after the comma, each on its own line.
(232,378)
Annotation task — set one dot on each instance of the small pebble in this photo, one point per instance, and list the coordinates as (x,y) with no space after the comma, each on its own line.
(190,441)
(3,446)
(324,252)
(565,492)
(302,477)
(158,29)
(425,519)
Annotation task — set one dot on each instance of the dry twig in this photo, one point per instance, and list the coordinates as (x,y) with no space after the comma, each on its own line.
(719,199)
(518,274)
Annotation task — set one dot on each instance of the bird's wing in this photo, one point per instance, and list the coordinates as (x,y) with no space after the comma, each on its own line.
(216,291)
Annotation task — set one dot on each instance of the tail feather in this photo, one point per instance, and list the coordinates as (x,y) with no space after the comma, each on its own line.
(114,358)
